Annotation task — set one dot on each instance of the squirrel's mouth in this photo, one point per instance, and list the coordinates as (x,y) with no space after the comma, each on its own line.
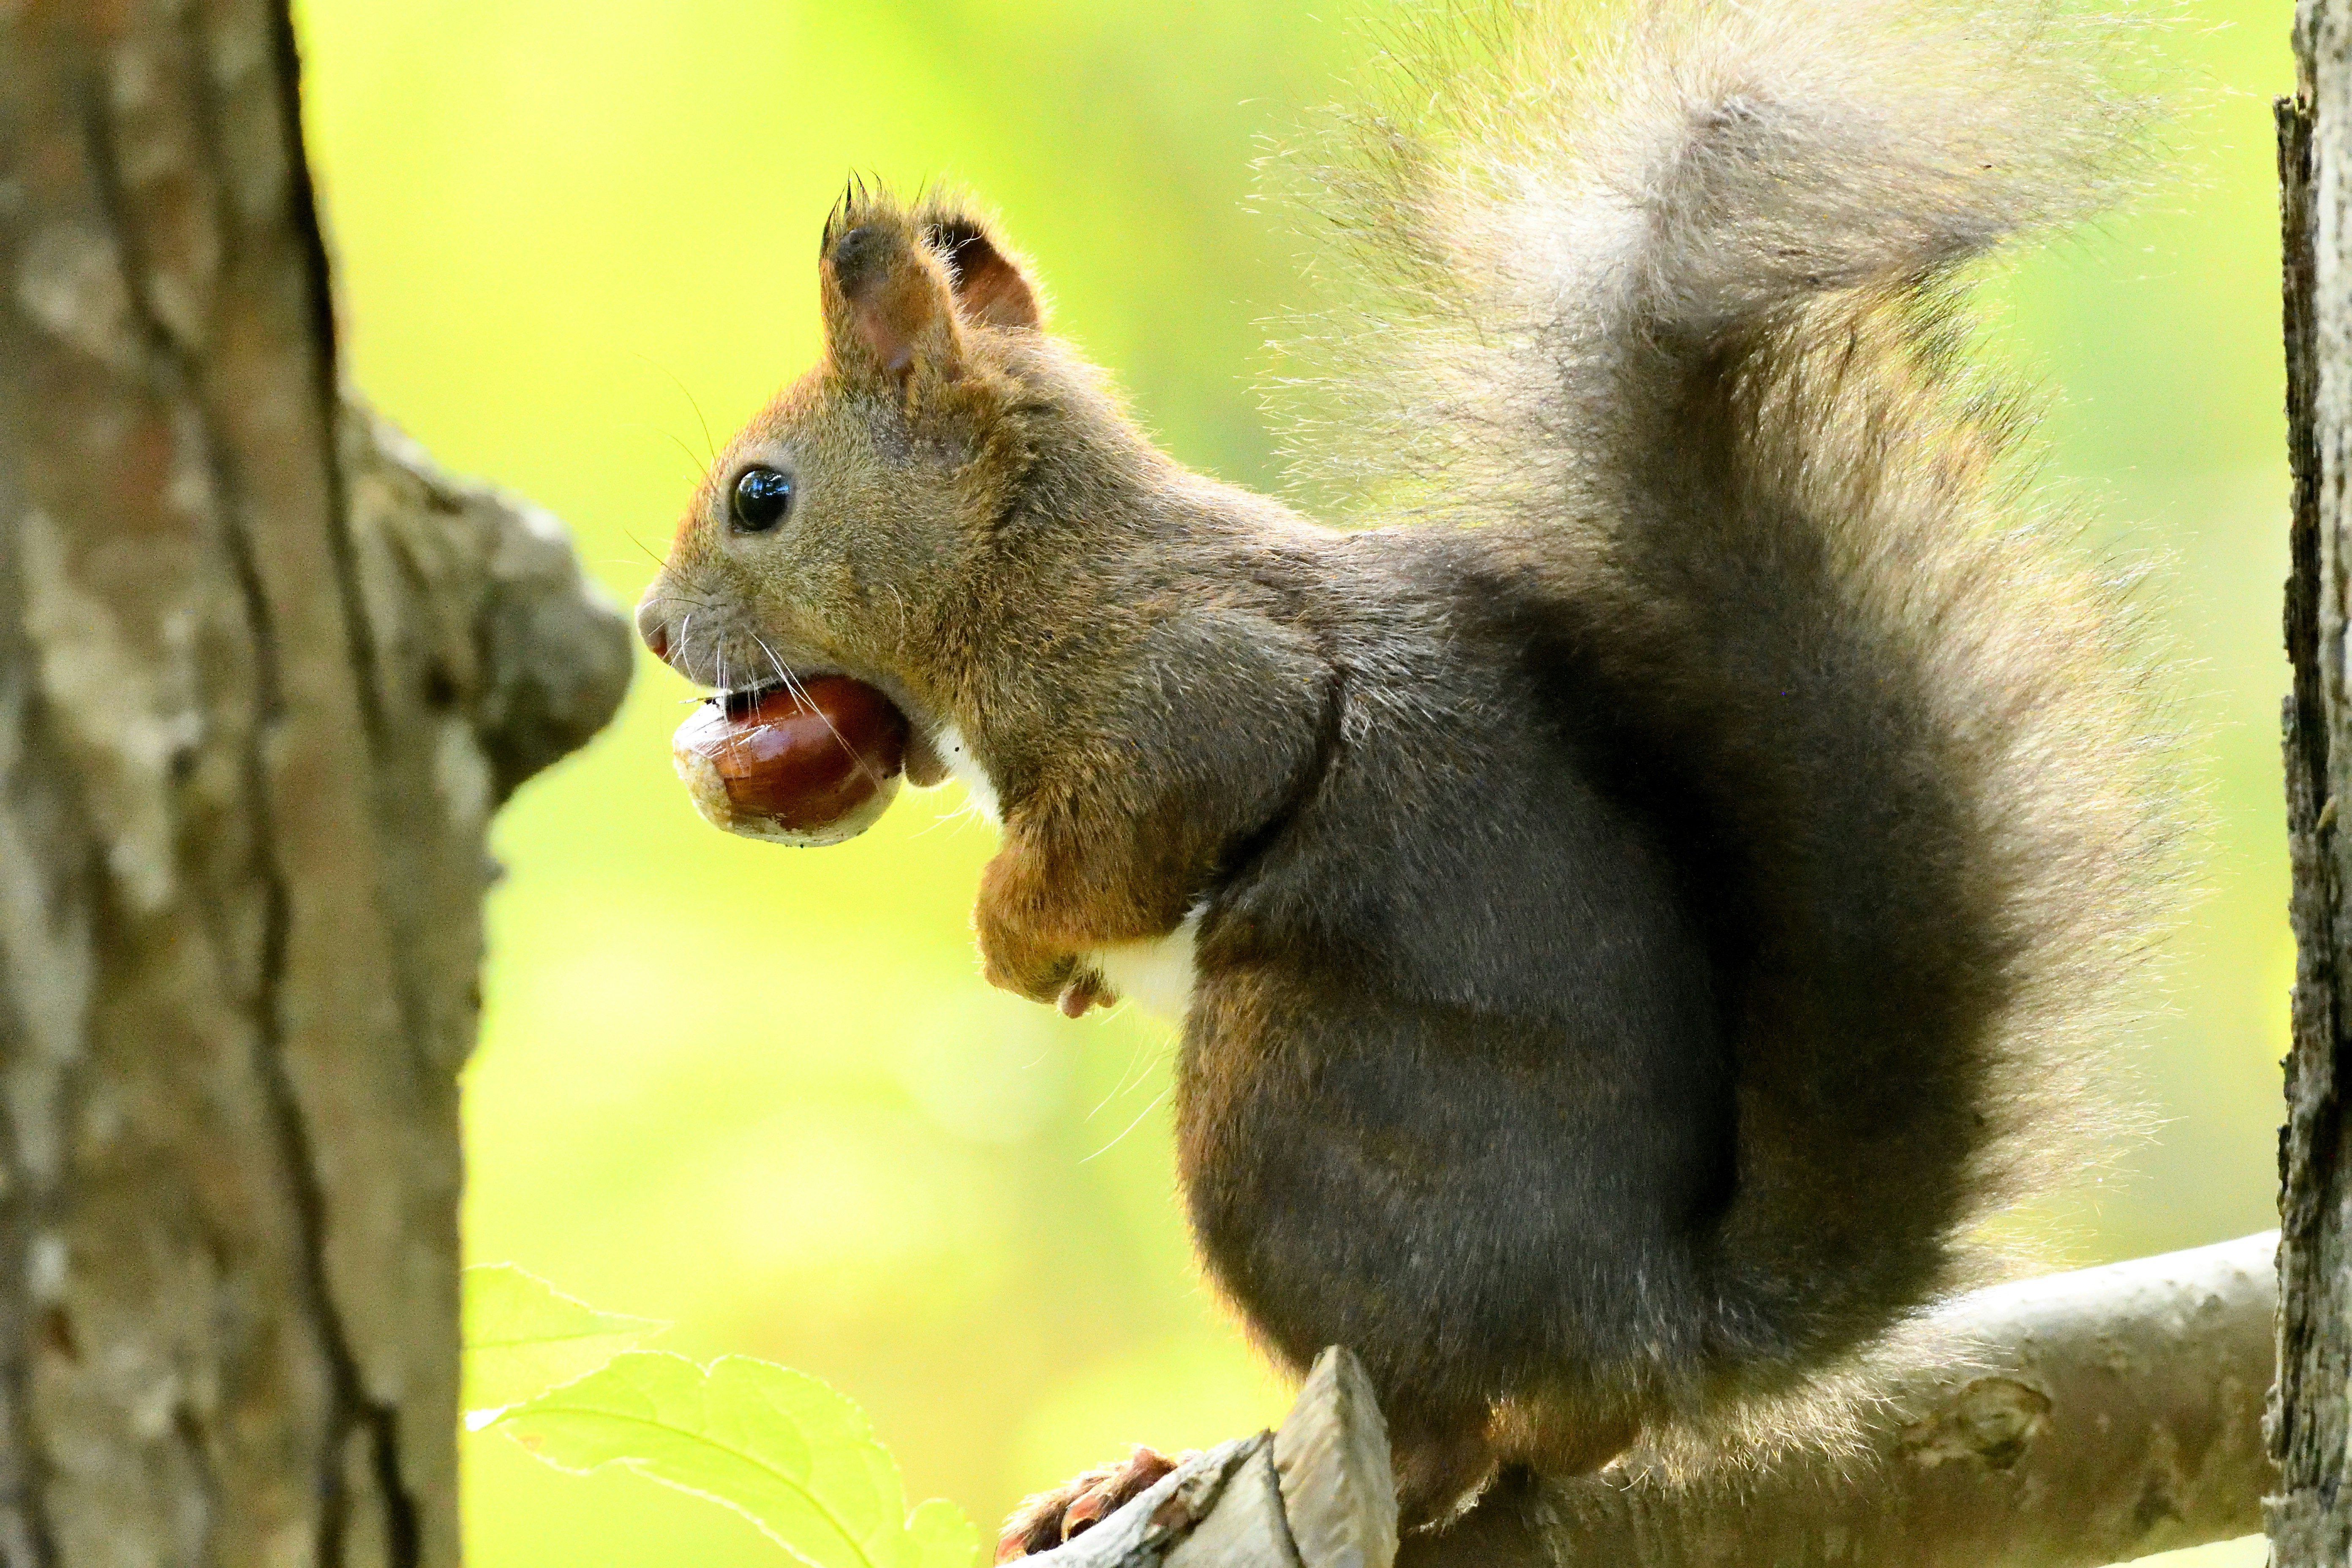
(801,760)
(743,705)
(739,700)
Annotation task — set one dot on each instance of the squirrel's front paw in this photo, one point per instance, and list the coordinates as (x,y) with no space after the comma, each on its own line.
(1045,1520)
(1014,961)
(1030,942)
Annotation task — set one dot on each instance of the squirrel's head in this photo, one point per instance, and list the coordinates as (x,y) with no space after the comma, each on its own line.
(841,529)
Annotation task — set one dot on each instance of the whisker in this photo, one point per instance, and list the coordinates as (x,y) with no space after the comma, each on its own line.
(1129,1127)
(734,736)
(1134,1059)
(800,693)
(698,466)
(690,403)
(701,466)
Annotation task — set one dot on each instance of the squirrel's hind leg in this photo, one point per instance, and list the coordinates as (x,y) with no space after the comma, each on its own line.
(1443,1462)
(1561,1437)
(1442,1465)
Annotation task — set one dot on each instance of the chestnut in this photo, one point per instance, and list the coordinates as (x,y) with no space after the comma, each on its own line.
(813,762)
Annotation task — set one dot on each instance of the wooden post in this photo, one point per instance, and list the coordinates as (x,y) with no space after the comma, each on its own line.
(263,679)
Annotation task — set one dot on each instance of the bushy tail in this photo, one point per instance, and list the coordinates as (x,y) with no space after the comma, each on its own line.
(1672,296)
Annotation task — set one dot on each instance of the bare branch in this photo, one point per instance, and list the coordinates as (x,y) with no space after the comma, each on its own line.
(2079,1419)
(2076,1420)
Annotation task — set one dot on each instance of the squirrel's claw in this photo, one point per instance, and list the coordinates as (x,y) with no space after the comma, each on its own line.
(1083,992)
(1045,1520)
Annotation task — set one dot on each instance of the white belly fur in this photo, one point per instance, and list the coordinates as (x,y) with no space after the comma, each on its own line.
(1155,976)
(949,742)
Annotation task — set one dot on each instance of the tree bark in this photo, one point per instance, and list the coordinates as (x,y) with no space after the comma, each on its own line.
(263,680)
(2309,1520)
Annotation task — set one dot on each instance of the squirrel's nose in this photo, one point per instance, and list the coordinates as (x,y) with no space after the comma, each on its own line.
(654,626)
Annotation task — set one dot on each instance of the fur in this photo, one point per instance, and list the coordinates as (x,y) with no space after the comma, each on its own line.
(1650,905)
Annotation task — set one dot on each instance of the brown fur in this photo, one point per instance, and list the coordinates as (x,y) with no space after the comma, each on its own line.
(1648,912)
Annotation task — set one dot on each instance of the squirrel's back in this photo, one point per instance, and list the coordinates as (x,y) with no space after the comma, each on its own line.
(1667,316)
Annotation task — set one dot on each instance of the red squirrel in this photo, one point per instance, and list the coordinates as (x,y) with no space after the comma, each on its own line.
(1634,915)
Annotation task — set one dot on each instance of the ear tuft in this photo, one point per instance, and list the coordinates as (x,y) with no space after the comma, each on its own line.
(861,260)
(991,289)
(901,287)
(887,301)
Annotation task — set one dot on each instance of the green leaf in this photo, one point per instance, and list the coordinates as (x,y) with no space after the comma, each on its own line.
(943,1537)
(523,1336)
(776,1446)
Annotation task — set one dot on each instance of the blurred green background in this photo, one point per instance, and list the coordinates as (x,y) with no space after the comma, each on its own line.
(764,1093)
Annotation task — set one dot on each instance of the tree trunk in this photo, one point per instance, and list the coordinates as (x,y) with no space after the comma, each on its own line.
(263,679)
(2310,1521)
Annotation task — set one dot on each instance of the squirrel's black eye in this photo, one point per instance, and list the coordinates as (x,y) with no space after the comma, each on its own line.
(762,497)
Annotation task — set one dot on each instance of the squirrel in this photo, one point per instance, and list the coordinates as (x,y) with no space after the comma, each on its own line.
(1636,914)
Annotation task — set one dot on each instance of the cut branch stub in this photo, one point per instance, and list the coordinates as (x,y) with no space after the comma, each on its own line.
(1338,1488)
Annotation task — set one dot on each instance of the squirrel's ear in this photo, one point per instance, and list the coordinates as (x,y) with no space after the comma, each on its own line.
(990,286)
(887,307)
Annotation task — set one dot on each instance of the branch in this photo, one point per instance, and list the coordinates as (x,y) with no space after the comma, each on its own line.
(477,600)
(2071,1421)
